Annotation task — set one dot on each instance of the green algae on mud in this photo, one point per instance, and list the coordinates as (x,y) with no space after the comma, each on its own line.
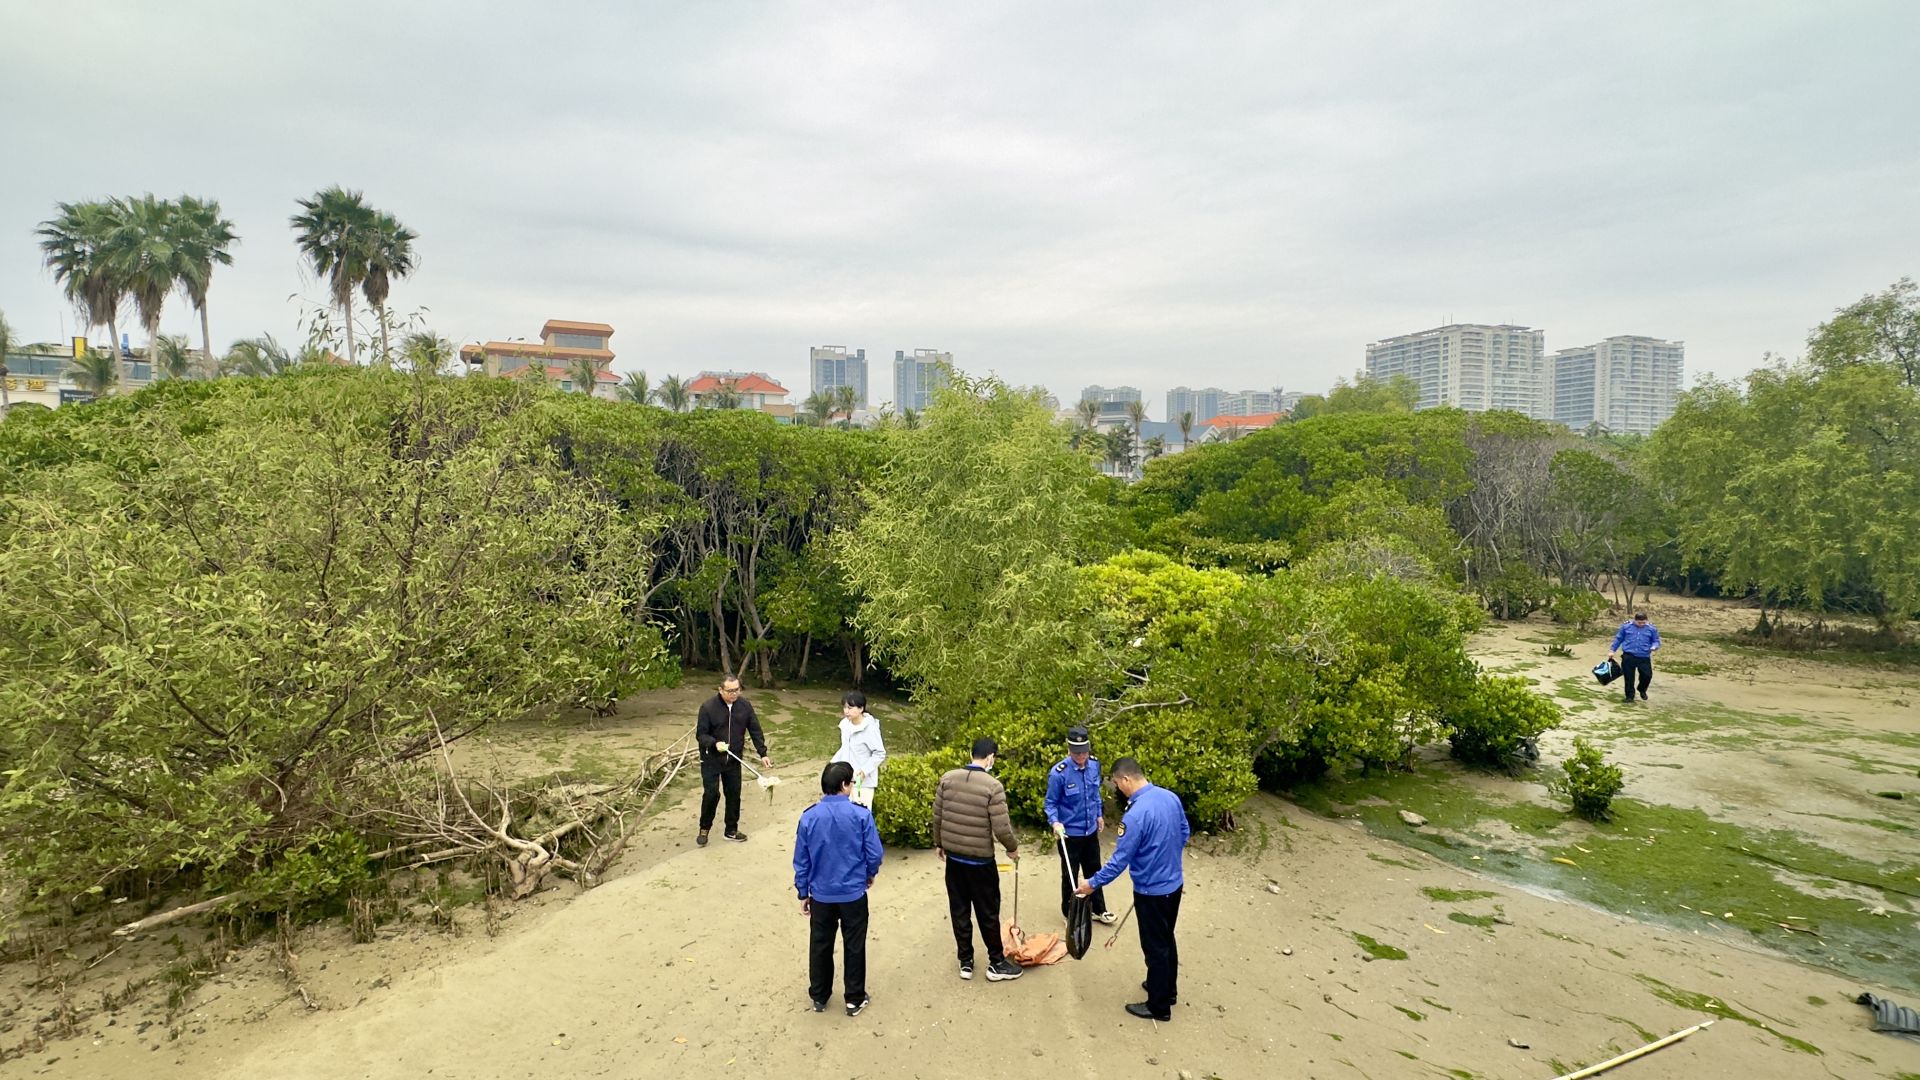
(1379,950)
(1697,1002)
(1667,865)
(1454,896)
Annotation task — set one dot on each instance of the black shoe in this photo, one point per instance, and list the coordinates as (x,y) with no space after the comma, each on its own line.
(1141,1010)
(819,1006)
(1143,986)
(737,836)
(855,1008)
(1002,970)
(701,839)
(966,969)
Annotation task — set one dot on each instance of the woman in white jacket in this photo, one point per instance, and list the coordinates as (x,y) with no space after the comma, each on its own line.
(860,746)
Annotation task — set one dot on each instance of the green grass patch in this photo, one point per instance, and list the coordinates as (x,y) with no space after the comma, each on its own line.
(1484,922)
(1454,896)
(1379,950)
(1683,667)
(1688,999)
(1816,999)
(1391,861)
(1435,1005)
(1409,1013)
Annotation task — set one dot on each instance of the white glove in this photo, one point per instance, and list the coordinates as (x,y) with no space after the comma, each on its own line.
(721,747)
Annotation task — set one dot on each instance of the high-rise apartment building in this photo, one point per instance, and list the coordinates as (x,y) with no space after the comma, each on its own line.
(1250,403)
(916,377)
(1113,400)
(1203,404)
(835,366)
(1626,384)
(1472,366)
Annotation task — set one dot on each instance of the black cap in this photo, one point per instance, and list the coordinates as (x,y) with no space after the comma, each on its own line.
(1077,738)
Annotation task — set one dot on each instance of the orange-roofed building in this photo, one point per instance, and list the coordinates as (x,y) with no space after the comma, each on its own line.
(757,390)
(562,345)
(1228,428)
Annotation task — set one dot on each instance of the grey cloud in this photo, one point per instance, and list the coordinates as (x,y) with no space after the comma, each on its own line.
(1240,194)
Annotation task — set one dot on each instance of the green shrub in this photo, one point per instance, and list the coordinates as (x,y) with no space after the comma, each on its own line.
(1190,752)
(1515,592)
(1498,718)
(1576,607)
(903,803)
(1592,782)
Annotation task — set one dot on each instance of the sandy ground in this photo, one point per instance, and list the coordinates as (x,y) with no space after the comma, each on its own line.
(693,960)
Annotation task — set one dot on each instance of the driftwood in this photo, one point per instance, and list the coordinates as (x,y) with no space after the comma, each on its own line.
(153,922)
(1595,1070)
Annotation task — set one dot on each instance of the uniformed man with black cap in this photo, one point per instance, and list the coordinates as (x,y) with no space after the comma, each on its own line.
(1077,815)
(1153,833)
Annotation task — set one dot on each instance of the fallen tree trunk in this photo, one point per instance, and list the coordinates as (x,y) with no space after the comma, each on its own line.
(152,922)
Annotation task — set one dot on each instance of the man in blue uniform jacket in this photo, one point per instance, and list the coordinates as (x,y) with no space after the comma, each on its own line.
(1635,645)
(1077,815)
(1153,833)
(836,856)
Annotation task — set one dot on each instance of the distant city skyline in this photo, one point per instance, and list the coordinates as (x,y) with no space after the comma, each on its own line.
(1240,195)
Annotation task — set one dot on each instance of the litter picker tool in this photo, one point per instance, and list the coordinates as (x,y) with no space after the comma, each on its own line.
(767,783)
(1121,925)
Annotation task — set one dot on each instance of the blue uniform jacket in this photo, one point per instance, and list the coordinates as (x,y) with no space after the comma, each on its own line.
(1638,640)
(1153,833)
(1073,796)
(836,851)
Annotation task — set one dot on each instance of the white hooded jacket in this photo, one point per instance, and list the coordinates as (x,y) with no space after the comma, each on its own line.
(861,748)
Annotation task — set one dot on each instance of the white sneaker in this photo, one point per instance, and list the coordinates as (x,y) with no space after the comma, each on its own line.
(1107,917)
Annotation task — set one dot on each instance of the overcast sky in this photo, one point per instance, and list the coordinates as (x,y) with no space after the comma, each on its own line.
(1141,193)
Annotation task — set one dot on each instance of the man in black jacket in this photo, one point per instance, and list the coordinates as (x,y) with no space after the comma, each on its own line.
(726,721)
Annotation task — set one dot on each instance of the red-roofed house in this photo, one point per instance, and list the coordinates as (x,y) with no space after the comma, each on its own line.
(562,345)
(757,390)
(1228,428)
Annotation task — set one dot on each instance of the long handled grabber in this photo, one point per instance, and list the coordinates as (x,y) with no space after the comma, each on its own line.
(767,783)
(1121,925)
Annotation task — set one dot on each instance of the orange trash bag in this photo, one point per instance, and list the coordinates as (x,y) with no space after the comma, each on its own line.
(1031,950)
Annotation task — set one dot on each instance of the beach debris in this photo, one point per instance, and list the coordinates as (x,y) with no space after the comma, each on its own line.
(1412,818)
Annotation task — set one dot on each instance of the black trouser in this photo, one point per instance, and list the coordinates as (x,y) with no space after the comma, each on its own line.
(718,771)
(1083,854)
(851,919)
(1156,916)
(1629,663)
(973,894)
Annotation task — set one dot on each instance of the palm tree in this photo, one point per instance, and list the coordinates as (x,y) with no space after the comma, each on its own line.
(845,400)
(6,346)
(1119,447)
(203,237)
(96,371)
(389,258)
(143,254)
(672,393)
(172,356)
(1136,412)
(725,396)
(1088,411)
(427,354)
(261,356)
(336,232)
(634,389)
(820,407)
(1186,428)
(74,243)
(910,419)
(585,374)
(1156,447)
